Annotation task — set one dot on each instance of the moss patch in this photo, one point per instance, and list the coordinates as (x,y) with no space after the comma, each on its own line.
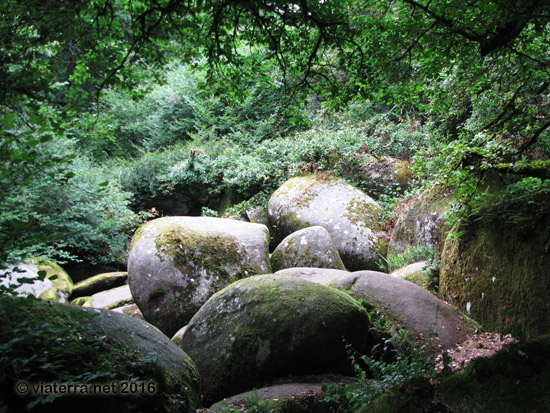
(498,271)
(220,254)
(64,344)
(57,275)
(99,283)
(516,379)
(361,212)
(423,221)
(267,326)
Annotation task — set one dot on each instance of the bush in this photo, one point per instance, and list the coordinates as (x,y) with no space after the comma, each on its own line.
(68,210)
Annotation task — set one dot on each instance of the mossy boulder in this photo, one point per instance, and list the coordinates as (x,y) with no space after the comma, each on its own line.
(422,222)
(378,174)
(176,263)
(258,215)
(39,277)
(108,299)
(428,319)
(113,298)
(99,282)
(271,326)
(415,273)
(498,272)
(351,217)
(308,247)
(69,344)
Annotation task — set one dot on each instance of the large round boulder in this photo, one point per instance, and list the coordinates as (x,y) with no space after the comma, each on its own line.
(352,218)
(38,277)
(308,247)
(91,349)
(378,174)
(271,326)
(429,320)
(176,263)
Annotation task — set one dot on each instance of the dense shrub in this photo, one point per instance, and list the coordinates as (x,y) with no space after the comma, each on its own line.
(69,209)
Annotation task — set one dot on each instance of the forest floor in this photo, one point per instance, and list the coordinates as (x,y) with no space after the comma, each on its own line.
(479,345)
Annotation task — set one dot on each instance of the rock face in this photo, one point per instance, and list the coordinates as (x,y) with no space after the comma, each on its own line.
(270,326)
(131,310)
(378,174)
(100,282)
(324,276)
(422,222)
(406,304)
(130,347)
(498,272)
(175,264)
(55,286)
(352,218)
(308,247)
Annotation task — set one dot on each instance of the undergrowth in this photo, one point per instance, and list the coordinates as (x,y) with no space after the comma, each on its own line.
(389,365)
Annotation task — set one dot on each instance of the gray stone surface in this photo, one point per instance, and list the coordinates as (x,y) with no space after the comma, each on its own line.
(422,223)
(308,247)
(56,285)
(176,263)
(109,299)
(409,306)
(352,218)
(272,326)
(99,282)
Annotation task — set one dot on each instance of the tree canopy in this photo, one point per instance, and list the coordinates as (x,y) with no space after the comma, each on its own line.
(477,71)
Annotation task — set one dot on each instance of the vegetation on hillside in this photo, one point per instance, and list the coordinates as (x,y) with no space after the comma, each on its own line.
(108,104)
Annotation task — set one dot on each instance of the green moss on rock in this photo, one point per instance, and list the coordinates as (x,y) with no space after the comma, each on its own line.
(82,301)
(362,212)
(192,250)
(423,221)
(268,326)
(516,379)
(497,272)
(99,282)
(65,343)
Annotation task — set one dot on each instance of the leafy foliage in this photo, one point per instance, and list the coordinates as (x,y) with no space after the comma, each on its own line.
(409,256)
(62,208)
(376,375)
(461,89)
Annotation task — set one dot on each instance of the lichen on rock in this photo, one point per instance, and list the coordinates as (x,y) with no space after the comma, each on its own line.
(422,222)
(309,247)
(177,263)
(351,217)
